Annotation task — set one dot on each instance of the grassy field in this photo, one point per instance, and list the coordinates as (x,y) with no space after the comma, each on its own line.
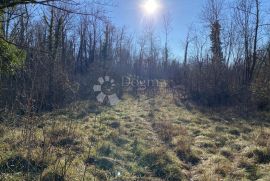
(147,138)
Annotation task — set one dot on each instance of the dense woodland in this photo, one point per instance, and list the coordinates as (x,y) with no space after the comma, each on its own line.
(51,49)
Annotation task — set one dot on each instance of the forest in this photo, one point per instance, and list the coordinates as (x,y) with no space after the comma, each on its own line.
(82,98)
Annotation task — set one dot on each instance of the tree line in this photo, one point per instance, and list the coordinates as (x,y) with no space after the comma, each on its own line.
(52,52)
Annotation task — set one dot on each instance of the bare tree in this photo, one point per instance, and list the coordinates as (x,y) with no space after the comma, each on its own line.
(248,20)
(167,20)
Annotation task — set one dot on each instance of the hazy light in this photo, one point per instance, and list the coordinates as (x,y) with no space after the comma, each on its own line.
(151,6)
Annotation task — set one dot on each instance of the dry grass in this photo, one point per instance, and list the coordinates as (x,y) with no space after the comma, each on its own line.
(150,139)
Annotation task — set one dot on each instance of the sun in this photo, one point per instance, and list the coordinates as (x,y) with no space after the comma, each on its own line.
(151,6)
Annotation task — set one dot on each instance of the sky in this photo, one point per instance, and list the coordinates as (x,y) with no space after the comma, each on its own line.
(184,13)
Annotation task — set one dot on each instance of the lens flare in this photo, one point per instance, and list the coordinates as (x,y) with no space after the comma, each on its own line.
(151,7)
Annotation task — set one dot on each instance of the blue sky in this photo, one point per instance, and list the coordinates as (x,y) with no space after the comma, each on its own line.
(129,13)
(184,13)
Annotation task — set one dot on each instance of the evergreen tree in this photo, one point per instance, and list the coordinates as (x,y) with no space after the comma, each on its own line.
(11,57)
(216,43)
